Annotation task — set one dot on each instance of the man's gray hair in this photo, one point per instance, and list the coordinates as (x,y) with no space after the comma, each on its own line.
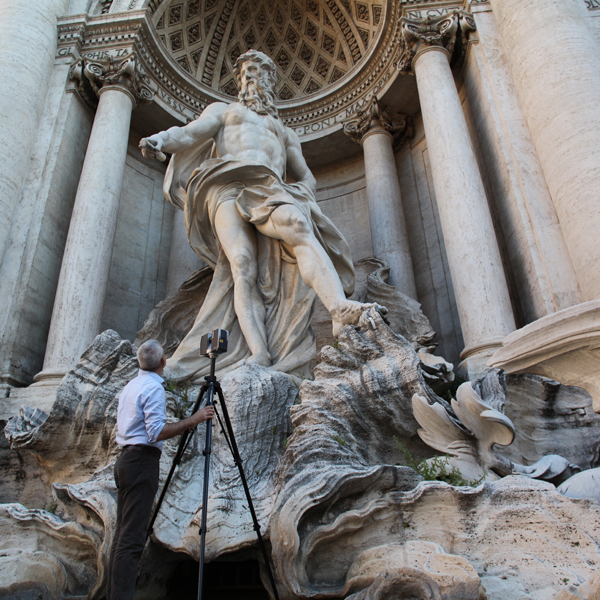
(150,355)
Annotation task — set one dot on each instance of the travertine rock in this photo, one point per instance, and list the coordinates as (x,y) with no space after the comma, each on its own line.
(413,562)
(42,551)
(582,485)
(562,346)
(338,464)
(550,418)
(77,437)
(526,541)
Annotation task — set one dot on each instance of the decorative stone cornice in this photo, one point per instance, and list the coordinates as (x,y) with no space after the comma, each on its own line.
(449,31)
(374,117)
(123,72)
(98,37)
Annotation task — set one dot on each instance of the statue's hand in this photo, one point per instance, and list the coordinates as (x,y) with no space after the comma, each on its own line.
(151,148)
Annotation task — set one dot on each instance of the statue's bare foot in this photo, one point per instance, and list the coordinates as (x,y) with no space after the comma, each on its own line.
(348,312)
(261,358)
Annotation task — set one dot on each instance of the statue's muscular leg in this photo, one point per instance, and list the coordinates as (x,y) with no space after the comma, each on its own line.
(238,240)
(287,223)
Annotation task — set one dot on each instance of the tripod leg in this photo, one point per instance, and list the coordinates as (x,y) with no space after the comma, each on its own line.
(207,451)
(238,461)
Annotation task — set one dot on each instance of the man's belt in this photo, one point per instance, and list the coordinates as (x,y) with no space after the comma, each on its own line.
(143,448)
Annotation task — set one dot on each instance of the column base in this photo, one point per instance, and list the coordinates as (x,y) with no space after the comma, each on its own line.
(474,363)
(49,377)
(41,397)
(40,394)
(564,346)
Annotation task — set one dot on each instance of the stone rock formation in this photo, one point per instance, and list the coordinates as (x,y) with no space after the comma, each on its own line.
(343,517)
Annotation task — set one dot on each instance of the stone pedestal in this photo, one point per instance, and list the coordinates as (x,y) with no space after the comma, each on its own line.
(553,58)
(375,130)
(478,278)
(564,346)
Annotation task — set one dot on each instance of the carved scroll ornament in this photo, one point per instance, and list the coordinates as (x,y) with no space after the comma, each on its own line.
(123,71)
(373,114)
(443,31)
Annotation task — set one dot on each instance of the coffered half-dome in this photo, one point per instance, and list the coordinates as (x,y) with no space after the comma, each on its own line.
(314,43)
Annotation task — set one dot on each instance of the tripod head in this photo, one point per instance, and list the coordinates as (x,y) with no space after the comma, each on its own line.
(214,343)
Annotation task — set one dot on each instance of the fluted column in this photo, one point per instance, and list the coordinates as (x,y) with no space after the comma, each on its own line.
(553,57)
(76,317)
(478,279)
(375,130)
(27,49)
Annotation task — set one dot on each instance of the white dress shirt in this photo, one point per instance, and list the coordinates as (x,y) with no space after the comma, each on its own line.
(142,412)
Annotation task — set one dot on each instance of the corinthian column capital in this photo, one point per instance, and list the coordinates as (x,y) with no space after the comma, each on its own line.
(449,31)
(375,117)
(122,72)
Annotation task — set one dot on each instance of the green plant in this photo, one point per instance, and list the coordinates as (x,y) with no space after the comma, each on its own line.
(338,438)
(336,346)
(450,393)
(436,469)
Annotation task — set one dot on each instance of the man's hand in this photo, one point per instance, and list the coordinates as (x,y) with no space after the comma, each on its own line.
(151,147)
(172,429)
(208,412)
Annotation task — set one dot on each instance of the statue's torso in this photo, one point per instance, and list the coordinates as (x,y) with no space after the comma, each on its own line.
(248,136)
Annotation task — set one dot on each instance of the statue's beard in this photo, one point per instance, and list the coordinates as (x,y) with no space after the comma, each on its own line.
(258,98)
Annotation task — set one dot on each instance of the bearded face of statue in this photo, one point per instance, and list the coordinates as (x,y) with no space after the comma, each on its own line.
(255,88)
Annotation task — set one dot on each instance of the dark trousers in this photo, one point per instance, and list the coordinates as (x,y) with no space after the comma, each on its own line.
(136,476)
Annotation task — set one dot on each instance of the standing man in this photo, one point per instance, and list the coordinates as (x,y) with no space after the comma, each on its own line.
(141,428)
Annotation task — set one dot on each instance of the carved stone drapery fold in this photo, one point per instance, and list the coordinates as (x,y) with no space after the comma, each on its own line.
(443,31)
(365,119)
(123,71)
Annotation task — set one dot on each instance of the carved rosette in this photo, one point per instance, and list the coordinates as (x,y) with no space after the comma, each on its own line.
(123,71)
(449,31)
(374,115)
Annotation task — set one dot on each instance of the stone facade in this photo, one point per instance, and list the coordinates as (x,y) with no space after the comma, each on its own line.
(457,140)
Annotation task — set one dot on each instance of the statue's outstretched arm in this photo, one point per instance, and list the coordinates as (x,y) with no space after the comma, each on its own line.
(296,165)
(175,139)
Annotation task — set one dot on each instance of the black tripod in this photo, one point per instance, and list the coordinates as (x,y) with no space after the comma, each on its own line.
(210,387)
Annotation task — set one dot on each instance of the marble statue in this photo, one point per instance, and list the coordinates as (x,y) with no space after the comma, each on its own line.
(270,245)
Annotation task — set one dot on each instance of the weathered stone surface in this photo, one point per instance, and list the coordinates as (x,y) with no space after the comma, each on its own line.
(258,402)
(43,551)
(550,418)
(77,437)
(404,314)
(338,465)
(582,485)
(562,346)
(422,563)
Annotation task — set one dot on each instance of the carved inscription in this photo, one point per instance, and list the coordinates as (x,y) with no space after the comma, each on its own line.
(343,115)
(101,54)
(592,4)
(429,12)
